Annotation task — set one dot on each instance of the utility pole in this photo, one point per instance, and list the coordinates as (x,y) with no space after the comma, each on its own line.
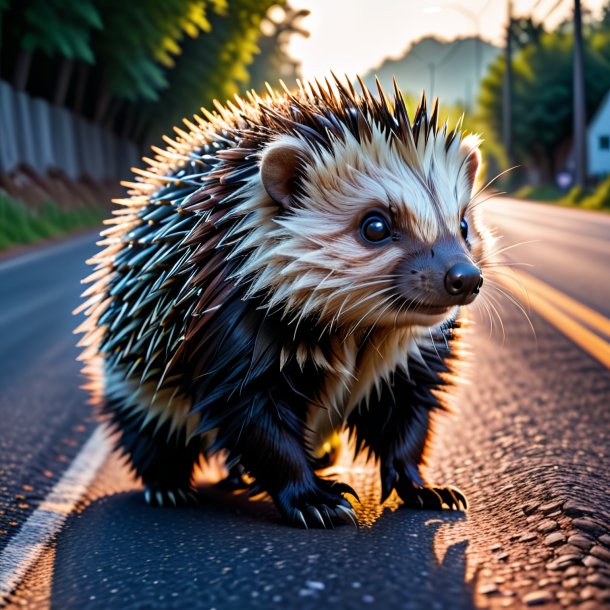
(507,93)
(580,119)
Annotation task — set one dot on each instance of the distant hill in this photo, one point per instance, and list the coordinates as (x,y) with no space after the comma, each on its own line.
(448,68)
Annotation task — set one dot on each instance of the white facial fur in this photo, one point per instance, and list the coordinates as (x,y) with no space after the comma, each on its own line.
(311,260)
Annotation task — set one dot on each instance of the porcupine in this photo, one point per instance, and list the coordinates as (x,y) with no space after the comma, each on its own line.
(289,266)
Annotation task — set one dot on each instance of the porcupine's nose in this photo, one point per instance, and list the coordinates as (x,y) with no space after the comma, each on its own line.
(463,279)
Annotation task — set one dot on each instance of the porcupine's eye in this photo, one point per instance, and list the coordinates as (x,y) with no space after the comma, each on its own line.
(464,229)
(375,229)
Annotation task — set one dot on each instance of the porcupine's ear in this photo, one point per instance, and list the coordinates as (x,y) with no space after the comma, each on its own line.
(472,162)
(280,163)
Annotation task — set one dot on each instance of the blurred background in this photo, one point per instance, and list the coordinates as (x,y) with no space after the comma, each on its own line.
(86,86)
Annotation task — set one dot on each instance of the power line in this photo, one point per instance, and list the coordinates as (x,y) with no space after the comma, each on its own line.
(553,9)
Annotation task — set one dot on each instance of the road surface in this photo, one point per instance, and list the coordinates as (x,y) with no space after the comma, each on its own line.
(529,444)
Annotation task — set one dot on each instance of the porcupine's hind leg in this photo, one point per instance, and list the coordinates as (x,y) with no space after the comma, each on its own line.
(161,457)
(396,427)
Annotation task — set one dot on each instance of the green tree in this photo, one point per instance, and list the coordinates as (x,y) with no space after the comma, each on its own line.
(138,44)
(214,65)
(542,97)
(56,28)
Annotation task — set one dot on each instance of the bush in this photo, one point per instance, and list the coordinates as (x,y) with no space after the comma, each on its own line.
(543,192)
(600,198)
(22,225)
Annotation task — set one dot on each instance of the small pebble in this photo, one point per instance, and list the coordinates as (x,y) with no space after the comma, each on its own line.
(589,605)
(554,539)
(527,536)
(605,539)
(599,580)
(594,562)
(601,552)
(580,541)
(589,526)
(496,547)
(570,583)
(548,525)
(568,549)
(489,589)
(537,598)
(573,571)
(588,593)
(575,509)
(551,506)
(528,509)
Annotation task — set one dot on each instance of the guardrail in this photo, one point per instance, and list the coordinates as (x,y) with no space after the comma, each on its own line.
(45,137)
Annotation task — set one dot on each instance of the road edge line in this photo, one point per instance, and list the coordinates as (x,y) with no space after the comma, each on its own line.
(587,340)
(583,313)
(26,546)
(53,248)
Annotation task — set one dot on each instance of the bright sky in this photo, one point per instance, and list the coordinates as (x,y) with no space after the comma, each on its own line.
(351,36)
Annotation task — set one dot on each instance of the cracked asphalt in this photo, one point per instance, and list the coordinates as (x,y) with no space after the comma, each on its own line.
(528,443)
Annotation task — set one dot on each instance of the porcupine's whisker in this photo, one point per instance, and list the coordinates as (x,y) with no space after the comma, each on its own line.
(490,182)
(513,276)
(506,264)
(390,304)
(506,248)
(359,302)
(481,304)
(311,296)
(515,303)
(355,287)
(389,298)
(477,202)
(492,304)
(434,344)
(374,295)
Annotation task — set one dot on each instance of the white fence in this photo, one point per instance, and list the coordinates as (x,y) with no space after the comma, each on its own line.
(44,136)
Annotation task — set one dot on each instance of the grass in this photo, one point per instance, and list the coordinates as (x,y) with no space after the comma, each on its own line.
(20,224)
(589,199)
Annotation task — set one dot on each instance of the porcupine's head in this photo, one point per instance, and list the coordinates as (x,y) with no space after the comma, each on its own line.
(374,226)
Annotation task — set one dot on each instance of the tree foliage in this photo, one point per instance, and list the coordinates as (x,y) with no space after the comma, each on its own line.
(56,27)
(133,64)
(542,94)
(139,41)
(215,66)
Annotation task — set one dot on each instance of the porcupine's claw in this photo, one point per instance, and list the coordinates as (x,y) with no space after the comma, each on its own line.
(344,488)
(170,497)
(434,498)
(320,507)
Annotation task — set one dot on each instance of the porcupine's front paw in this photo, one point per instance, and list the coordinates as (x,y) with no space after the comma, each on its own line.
(178,496)
(433,498)
(316,503)
(415,493)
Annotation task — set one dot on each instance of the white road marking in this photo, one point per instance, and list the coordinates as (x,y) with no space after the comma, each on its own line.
(35,534)
(26,310)
(48,251)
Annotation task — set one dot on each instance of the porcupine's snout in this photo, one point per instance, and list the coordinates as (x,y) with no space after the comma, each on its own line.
(463,280)
(440,277)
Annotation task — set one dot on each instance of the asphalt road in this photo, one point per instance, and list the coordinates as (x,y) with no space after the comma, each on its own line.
(529,445)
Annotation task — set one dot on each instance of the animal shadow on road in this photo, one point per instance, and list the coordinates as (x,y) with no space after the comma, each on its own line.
(233,553)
